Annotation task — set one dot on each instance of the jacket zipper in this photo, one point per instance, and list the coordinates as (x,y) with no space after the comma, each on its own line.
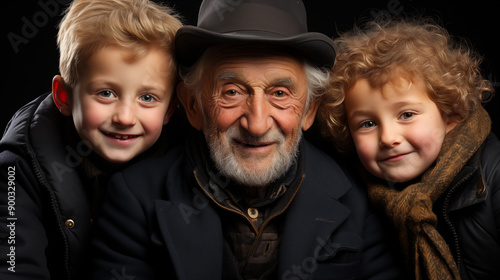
(447,220)
(55,207)
(41,179)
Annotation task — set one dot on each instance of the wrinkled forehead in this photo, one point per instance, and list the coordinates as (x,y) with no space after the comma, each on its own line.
(232,51)
(257,61)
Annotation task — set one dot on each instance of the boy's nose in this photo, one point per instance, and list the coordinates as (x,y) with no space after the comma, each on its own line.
(257,119)
(124,115)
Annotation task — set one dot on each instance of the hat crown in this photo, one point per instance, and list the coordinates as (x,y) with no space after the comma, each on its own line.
(281,18)
(274,22)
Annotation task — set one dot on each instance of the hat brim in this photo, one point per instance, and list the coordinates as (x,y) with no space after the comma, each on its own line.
(191,42)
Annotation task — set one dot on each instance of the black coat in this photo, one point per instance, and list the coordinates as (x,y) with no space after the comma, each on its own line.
(51,208)
(469,214)
(51,193)
(158,225)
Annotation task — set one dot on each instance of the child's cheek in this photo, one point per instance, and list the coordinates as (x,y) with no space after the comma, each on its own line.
(366,150)
(428,145)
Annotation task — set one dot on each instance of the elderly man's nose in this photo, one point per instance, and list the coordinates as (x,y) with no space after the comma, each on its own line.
(257,119)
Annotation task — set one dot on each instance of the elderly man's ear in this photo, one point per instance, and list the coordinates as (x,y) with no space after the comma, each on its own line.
(191,106)
(310,115)
(60,95)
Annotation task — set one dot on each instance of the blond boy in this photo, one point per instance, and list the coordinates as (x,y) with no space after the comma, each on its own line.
(107,109)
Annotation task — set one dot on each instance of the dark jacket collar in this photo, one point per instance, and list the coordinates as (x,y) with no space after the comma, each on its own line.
(468,187)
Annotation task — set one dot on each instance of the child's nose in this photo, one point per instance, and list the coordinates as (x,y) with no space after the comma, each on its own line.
(124,115)
(389,136)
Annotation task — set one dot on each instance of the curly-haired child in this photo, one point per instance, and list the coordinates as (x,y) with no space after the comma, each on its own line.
(407,99)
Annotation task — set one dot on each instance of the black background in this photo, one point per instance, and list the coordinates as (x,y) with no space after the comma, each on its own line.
(28,71)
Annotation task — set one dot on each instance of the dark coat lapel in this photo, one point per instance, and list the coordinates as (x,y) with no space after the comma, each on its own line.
(310,222)
(315,212)
(193,236)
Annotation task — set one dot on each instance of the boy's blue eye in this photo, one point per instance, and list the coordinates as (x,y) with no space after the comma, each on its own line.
(147,98)
(106,93)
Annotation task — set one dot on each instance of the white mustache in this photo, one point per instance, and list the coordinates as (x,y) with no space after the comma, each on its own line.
(272,136)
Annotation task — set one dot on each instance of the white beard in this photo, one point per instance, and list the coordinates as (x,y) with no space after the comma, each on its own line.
(227,163)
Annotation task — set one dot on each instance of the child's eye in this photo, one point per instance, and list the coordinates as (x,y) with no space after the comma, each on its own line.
(106,93)
(407,115)
(147,98)
(367,124)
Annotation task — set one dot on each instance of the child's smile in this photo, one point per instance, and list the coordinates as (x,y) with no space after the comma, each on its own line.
(121,139)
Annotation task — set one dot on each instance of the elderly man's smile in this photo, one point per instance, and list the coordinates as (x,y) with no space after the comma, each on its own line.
(255,147)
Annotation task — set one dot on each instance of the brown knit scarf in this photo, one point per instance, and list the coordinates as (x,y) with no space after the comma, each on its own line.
(410,210)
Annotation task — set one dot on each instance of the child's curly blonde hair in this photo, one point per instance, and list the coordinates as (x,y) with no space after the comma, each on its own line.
(417,48)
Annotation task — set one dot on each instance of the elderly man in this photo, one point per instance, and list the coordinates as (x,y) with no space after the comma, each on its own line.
(246,197)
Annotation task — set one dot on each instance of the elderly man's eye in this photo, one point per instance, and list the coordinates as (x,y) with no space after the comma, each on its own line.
(232,92)
(279,93)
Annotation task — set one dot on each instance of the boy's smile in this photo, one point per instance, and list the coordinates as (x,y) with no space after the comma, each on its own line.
(397,129)
(121,139)
(120,103)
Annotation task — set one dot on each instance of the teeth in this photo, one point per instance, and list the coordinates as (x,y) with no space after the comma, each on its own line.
(118,136)
(121,136)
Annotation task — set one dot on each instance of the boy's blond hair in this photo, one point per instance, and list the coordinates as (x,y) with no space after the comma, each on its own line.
(90,25)
(416,48)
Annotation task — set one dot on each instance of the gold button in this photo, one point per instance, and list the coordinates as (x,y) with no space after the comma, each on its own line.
(70,223)
(253,213)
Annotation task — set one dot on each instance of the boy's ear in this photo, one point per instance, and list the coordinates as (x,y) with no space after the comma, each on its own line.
(60,95)
(451,123)
(190,105)
(310,115)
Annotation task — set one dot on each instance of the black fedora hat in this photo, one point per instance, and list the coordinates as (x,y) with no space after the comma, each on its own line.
(277,22)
